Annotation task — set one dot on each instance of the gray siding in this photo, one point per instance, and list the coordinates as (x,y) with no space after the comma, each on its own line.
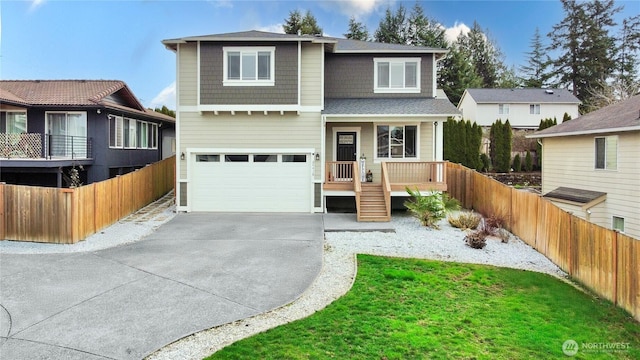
(351,76)
(212,92)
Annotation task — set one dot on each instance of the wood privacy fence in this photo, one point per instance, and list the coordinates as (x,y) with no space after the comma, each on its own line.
(604,260)
(66,216)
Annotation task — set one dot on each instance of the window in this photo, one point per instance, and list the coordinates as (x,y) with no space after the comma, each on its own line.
(236,158)
(606,153)
(397,75)
(265,158)
(16,122)
(503,109)
(294,158)
(207,158)
(396,141)
(115,131)
(534,109)
(617,223)
(249,66)
(131,133)
(67,133)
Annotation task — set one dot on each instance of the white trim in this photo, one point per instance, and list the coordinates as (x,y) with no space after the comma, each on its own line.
(321,78)
(256,108)
(336,130)
(177,129)
(587,132)
(299,72)
(198,73)
(387,51)
(242,151)
(249,49)
(367,116)
(404,89)
(377,160)
(434,75)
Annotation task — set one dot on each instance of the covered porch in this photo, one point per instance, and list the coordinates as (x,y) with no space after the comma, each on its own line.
(373,198)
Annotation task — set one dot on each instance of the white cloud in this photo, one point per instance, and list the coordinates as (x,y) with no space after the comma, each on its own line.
(274,28)
(223,4)
(35,4)
(166,97)
(451,34)
(357,8)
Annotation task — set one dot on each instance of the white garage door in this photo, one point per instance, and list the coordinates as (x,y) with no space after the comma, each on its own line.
(251,182)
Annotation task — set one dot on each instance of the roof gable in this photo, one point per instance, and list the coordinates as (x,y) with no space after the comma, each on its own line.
(621,116)
(529,95)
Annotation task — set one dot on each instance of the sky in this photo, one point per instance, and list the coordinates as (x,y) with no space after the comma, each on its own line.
(121,40)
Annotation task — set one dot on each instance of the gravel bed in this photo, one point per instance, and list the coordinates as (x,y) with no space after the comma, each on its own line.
(339,271)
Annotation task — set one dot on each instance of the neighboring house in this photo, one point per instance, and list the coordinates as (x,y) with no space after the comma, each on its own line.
(590,166)
(524,108)
(48,127)
(278,123)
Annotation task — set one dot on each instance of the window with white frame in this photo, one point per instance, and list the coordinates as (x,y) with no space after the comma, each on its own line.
(534,109)
(397,75)
(503,109)
(396,141)
(617,223)
(249,66)
(131,133)
(606,152)
(16,122)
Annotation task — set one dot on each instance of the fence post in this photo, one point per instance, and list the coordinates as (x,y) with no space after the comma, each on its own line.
(615,267)
(3,231)
(569,241)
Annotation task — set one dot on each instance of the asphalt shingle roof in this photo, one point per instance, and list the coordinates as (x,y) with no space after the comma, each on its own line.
(522,96)
(575,195)
(390,106)
(621,116)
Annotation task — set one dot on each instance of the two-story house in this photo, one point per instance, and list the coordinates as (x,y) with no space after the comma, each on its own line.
(524,108)
(98,127)
(590,166)
(281,123)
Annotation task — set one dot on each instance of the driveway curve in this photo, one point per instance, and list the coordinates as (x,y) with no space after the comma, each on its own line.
(197,271)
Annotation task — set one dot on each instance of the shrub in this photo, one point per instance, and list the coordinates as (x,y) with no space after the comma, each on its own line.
(486,162)
(465,220)
(430,209)
(492,224)
(476,239)
(517,164)
(528,162)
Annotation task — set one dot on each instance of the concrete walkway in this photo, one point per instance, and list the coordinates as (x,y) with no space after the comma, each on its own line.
(195,272)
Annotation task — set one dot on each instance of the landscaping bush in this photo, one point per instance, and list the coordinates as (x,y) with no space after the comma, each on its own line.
(465,220)
(486,162)
(476,239)
(528,162)
(432,208)
(517,164)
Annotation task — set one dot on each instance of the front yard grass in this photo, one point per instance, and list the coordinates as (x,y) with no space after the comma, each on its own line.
(418,309)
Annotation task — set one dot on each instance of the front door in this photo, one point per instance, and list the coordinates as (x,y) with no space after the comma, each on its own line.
(346,150)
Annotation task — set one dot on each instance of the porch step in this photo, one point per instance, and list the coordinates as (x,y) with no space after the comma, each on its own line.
(372,204)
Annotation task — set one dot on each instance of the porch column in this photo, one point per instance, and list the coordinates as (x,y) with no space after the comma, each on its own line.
(438,141)
(59,177)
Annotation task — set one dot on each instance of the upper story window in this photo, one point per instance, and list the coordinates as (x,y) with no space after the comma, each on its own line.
(607,153)
(132,134)
(503,109)
(249,66)
(16,122)
(534,109)
(397,75)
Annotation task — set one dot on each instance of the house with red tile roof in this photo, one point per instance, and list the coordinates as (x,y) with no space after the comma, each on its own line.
(98,127)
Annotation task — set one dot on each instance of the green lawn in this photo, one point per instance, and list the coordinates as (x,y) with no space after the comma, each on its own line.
(417,309)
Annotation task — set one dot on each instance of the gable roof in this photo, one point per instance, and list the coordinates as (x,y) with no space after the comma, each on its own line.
(528,95)
(77,93)
(337,45)
(390,106)
(619,117)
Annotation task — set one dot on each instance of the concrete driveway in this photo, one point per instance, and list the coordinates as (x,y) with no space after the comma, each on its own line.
(195,272)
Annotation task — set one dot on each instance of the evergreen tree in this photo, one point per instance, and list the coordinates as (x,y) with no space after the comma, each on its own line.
(505,151)
(393,27)
(566,117)
(165,110)
(535,72)
(357,30)
(517,164)
(456,74)
(306,25)
(544,123)
(423,31)
(586,48)
(495,141)
(483,55)
(528,162)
